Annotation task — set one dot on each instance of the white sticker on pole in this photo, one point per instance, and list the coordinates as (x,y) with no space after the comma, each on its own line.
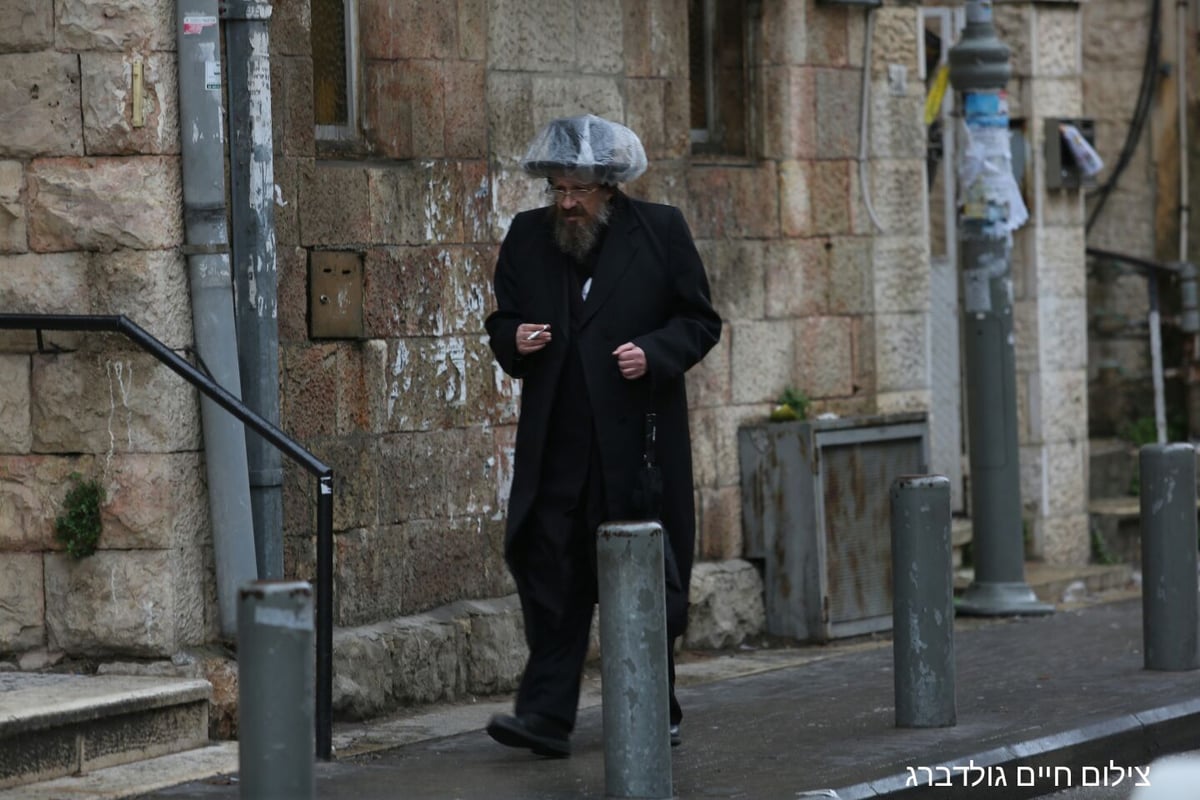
(299,618)
(194,25)
(212,76)
(977,290)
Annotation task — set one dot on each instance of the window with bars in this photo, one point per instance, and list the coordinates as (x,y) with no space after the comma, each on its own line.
(334,39)
(722,49)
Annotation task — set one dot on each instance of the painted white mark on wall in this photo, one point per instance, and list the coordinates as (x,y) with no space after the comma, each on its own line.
(118,393)
(398,368)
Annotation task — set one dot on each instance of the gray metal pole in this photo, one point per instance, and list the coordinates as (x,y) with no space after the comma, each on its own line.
(633,660)
(212,298)
(275,691)
(1170,612)
(979,69)
(923,602)
(252,193)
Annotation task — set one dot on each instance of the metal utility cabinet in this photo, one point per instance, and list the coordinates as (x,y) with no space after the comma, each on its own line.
(816,511)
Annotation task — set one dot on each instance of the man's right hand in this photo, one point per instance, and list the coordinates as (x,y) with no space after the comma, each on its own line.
(532,337)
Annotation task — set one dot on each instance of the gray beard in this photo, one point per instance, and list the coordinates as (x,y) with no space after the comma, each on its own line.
(578,239)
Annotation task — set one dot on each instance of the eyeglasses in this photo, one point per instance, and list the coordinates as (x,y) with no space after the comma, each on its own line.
(558,195)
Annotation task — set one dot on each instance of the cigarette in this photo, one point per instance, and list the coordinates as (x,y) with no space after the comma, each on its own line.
(536,334)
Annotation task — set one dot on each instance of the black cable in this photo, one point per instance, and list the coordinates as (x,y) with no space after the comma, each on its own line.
(1140,114)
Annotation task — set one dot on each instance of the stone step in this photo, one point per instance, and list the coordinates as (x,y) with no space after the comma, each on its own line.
(1116,528)
(54,725)
(1054,584)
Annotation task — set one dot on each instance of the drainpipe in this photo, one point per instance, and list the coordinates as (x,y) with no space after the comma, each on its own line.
(207,252)
(252,193)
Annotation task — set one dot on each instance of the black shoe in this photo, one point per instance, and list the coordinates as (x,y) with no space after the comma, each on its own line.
(676,736)
(533,731)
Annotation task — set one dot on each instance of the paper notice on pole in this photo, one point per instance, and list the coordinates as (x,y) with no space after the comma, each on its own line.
(194,25)
(977,290)
(212,76)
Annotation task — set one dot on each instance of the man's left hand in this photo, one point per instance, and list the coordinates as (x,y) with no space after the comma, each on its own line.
(631,361)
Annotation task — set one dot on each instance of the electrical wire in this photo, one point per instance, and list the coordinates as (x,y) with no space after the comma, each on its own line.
(863,134)
(1141,113)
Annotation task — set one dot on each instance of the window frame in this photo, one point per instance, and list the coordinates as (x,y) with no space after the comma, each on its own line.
(710,141)
(350,130)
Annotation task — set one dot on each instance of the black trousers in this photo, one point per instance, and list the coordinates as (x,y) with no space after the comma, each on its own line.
(557,587)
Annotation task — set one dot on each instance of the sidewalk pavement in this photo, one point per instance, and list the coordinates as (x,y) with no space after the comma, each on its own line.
(1054,701)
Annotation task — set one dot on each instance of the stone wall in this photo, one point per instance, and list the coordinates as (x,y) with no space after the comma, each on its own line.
(90,222)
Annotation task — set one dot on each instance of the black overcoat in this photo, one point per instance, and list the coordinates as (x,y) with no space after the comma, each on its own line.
(649,287)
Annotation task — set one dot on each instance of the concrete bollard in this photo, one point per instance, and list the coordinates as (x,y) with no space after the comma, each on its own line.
(275,691)
(633,660)
(923,602)
(1169,585)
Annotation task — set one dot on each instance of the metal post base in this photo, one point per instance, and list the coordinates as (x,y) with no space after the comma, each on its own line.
(1000,599)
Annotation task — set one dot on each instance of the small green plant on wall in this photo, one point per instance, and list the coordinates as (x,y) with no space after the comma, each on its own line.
(792,404)
(79,525)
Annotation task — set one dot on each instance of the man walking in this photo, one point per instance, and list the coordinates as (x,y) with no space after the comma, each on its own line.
(602,305)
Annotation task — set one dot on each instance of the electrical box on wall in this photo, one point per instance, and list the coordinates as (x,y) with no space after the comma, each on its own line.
(335,295)
(1071,159)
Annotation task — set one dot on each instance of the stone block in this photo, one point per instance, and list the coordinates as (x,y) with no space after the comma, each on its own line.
(830,187)
(440,201)
(851,283)
(405,113)
(287,201)
(154,501)
(897,123)
(709,383)
(292,108)
(31,491)
(465,110)
(431,383)
(1058,41)
(496,657)
(472,29)
(735,273)
(902,279)
(828,38)
(646,114)
(446,561)
(117,25)
(1015,27)
(105,204)
(368,570)
(795,205)
(29,27)
(1055,97)
(1065,482)
(100,403)
(1111,95)
(720,528)
(898,195)
(656,38)
(106,86)
(734,202)
(355,461)
(13,236)
(1063,406)
(16,434)
(862,334)
(726,605)
(601,31)
(839,120)
(1062,209)
(790,121)
(895,40)
(902,351)
(785,32)
(567,95)
(414,291)
(148,286)
(1062,339)
(41,284)
(1062,263)
(511,121)
(1114,35)
(797,277)
(1126,223)
(1066,539)
(823,363)
(125,602)
(408,29)
(531,35)
(714,440)
(902,402)
(762,358)
(39,98)
(22,602)
(291,264)
(291,27)
(334,203)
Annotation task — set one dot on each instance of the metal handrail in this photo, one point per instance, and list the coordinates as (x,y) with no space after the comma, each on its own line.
(119,323)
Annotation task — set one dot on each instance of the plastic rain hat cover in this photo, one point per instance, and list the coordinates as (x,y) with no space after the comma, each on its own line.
(586,148)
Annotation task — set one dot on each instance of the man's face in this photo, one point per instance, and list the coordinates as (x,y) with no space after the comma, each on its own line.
(581,211)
